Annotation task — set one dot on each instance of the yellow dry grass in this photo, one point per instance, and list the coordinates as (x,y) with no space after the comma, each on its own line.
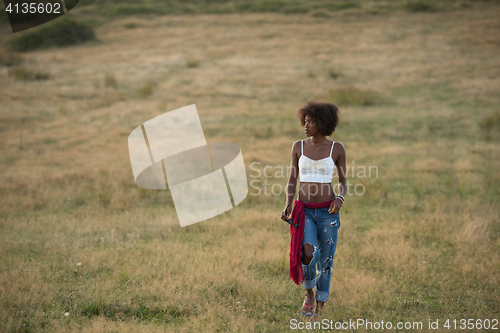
(421,243)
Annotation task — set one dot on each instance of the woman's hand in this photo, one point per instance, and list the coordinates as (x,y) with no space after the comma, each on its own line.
(286,212)
(335,206)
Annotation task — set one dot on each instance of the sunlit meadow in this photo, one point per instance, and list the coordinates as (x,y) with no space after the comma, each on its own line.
(83,249)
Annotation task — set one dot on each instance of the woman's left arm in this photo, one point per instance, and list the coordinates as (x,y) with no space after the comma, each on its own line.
(341,170)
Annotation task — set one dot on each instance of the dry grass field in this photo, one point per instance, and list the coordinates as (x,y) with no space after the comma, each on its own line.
(419,95)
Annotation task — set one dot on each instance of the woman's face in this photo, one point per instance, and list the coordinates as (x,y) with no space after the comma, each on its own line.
(310,126)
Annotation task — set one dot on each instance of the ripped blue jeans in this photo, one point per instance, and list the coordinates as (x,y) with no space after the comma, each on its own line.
(320,230)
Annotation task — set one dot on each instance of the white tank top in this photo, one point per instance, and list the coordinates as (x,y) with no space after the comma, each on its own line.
(316,171)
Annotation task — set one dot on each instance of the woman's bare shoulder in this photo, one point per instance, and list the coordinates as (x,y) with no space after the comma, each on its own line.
(296,147)
(339,145)
(338,150)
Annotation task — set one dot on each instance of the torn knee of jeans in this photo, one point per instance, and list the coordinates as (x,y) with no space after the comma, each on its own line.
(333,224)
(307,257)
(326,270)
(313,246)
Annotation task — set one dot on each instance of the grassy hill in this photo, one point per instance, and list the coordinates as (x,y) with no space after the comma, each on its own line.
(418,93)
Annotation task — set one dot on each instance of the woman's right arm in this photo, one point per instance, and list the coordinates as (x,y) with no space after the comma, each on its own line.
(292,181)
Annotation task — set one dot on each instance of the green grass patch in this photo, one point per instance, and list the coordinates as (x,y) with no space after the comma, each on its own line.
(353,96)
(175,7)
(275,6)
(339,5)
(421,6)
(134,10)
(62,32)
(140,311)
(27,74)
(146,90)
(490,126)
(192,63)
(334,74)
(296,7)
(110,80)
(9,59)
(321,13)
(130,25)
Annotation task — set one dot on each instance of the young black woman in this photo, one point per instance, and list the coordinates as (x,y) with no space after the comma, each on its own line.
(317,208)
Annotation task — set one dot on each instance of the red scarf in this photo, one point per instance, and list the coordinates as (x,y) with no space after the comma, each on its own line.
(296,273)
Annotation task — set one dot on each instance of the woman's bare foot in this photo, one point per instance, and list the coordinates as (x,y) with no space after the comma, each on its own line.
(318,311)
(307,307)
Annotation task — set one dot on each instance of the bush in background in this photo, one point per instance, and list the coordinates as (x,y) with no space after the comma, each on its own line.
(62,32)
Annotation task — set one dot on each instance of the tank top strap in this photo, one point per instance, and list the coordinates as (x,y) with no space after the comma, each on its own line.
(302,147)
(331,150)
